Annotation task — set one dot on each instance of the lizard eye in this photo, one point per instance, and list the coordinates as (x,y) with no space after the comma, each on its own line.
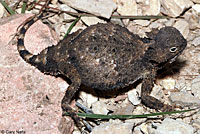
(173,49)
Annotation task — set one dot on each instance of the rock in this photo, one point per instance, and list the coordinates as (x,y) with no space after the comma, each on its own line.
(196,124)
(125,110)
(140,1)
(144,128)
(155,25)
(170,22)
(198,57)
(2,11)
(184,99)
(153,8)
(196,7)
(157,92)
(171,126)
(196,1)
(168,83)
(24,89)
(138,110)
(127,7)
(115,20)
(196,41)
(141,129)
(133,97)
(64,7)
(174,8)
(54,2)
(142,22)
(66,125)
(99,107)
(193,20)
(91,20)
(196,87)
(113,127)
(88,99)
(103,8)
(183,27)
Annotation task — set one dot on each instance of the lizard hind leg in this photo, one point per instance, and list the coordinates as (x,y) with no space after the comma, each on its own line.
(70,72)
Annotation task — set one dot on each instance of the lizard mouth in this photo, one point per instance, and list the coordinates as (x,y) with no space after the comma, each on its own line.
(162,64)
(173,59)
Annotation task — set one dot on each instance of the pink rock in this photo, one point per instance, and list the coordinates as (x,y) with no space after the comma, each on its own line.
(29,100)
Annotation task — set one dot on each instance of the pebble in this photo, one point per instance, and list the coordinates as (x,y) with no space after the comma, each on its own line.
(168,83)
(91,20)
(144,128)
(183,27)
(196,7)
(184,99)
(99,107)
(125,110)
(155,25)
(157,92)
(193,20)
(103,8)
(113,127)
(136,120)
(142,22)
(139,110)
(137,130)
(196,1)
(64,7)
(140,1)
(2,11)
(153,8)
(133,97)
(198,57)
(171,126)
(87,98)
(66,125)
(196,87)
(174,8)
(127,7)
(115,20)
(170,22)
(54,2)
(196,124)
(196,41)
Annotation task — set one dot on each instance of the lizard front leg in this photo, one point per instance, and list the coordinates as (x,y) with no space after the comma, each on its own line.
(150,101)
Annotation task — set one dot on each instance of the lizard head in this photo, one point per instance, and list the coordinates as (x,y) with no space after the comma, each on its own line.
(168,44)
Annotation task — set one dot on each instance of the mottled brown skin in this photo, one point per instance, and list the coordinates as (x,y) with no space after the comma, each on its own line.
(106,57)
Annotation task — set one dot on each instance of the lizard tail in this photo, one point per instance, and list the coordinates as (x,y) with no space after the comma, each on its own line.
(24,53)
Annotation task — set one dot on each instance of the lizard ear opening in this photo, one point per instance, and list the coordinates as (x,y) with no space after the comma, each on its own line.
(152,34)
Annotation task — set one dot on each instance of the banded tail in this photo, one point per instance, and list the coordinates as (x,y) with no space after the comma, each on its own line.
(24,53)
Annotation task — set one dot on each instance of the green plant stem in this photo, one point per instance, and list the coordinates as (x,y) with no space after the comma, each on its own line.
(24,6)
(71,26)
(99,116)
(7,7)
